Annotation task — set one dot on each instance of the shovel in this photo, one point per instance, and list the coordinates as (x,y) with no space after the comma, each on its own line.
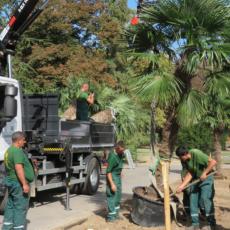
(193,183)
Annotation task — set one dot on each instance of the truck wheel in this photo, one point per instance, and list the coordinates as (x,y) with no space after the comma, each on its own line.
(92,178)
(76,188)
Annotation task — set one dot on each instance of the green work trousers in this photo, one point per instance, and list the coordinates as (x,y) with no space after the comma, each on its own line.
(16,207)
(186,201)
(186,195)
(203,194)
(114,198)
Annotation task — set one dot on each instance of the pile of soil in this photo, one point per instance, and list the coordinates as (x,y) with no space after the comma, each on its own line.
(148,193)
(222,212)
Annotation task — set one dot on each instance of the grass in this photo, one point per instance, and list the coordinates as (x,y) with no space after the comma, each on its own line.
(226,153)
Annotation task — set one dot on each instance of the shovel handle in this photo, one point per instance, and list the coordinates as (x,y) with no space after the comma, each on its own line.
(189,185)
(198,180)
(194,182)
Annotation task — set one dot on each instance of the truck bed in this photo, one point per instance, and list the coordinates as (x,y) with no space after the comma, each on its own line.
(41,118)
(87,135)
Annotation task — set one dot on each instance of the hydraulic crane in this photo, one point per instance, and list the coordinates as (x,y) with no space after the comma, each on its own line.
(22,17)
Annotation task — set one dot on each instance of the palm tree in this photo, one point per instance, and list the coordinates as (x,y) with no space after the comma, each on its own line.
(190,36)
(218,113)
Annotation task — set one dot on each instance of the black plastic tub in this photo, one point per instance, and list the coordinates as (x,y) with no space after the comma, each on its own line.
(146,212)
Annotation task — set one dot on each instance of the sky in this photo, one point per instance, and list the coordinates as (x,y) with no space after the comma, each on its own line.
(132,4)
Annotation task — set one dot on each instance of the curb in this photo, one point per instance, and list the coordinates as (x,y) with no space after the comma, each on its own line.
(71,224)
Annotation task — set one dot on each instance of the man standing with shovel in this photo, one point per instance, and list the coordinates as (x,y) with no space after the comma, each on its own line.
(198,165)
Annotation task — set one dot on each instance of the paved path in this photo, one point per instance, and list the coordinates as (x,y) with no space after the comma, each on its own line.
(48,212)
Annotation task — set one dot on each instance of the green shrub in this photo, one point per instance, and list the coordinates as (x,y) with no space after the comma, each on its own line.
(199,136)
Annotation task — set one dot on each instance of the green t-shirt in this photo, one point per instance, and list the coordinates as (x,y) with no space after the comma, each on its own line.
(197,164)
(115,163)
(14,156)
(82,107)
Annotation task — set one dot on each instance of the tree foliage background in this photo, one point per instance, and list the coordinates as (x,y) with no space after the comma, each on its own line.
(73,42)
(82,41)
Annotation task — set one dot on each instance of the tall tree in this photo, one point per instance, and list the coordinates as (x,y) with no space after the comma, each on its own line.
(76,38)
(196,30)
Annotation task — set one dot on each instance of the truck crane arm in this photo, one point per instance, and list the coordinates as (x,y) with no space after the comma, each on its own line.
(22,18)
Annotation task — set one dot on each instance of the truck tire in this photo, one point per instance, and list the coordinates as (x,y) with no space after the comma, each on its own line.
(92,178)
(76,188)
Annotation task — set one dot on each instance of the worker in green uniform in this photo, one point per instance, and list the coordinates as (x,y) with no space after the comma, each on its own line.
(19,173)
(186,196)
(113,176)
(83,102)
(198,165)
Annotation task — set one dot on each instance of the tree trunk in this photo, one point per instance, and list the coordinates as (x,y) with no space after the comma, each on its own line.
(165,149)
(217,151)
(169,134)
(153,127)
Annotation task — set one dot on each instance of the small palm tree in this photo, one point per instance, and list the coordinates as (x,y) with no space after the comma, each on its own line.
(126,112)
(191,36)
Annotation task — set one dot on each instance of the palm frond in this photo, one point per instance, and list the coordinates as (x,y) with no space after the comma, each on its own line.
(218,84)
(145,38)
(217,88)
(104,97)
(164,88)
(206,54)
(126,115)
(191,108)
(188,17)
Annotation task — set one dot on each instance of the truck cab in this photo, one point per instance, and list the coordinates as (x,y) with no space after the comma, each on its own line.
(10,121)
(10,112)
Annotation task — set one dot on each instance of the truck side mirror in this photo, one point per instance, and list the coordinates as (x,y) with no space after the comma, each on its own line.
(11,90)
(10,107)
(10,103)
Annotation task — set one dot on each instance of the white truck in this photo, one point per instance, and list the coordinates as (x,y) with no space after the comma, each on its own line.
(62,152)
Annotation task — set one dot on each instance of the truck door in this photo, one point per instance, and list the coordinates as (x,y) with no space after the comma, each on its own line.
(10,114)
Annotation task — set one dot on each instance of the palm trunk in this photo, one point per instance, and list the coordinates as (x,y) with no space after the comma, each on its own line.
(153,127)
(169,134)
(217,151)
(166,147)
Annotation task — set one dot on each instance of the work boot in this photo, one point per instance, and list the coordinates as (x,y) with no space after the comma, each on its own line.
(202,217)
